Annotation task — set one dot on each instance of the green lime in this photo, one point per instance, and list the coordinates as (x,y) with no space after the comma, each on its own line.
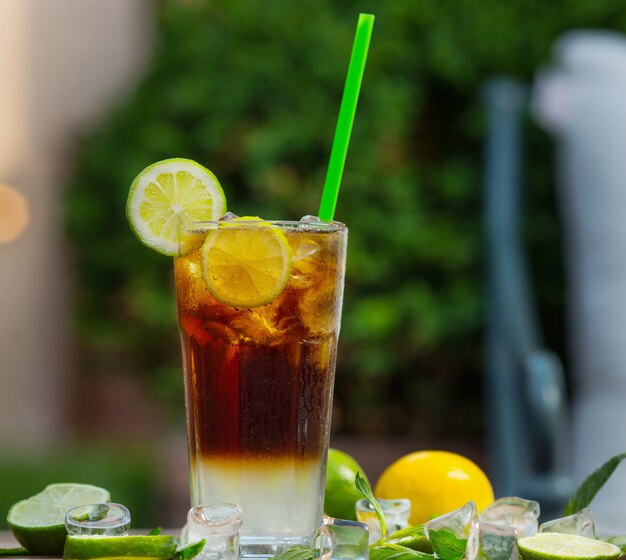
(82,547)
(19,551)
(341,495)
(38,523)
(169,195)
(561,546)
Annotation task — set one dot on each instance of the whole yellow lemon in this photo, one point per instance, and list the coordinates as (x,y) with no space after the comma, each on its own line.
(436,482)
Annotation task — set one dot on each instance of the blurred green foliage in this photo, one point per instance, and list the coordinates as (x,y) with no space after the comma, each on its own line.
(252,91)
(128,474)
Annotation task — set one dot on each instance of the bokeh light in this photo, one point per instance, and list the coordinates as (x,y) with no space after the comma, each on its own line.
(14,214)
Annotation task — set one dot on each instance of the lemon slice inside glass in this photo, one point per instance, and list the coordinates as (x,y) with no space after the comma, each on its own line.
(246,262)
(167,196)
(561,546)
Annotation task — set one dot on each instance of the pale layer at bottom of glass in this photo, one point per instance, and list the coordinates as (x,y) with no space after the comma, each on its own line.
(281,499)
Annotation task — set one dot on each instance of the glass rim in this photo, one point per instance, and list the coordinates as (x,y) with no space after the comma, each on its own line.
(307,227)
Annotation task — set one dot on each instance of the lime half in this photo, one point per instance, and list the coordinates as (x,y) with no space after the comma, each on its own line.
(169,195)
(246,262)
(83,547)
(561,546)
(38,523)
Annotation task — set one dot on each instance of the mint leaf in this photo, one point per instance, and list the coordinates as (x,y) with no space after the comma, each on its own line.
(295,553)
(189,551)
(592,484)
(411,537)
(363,488)
(155,532)
(447,545)
(397,552)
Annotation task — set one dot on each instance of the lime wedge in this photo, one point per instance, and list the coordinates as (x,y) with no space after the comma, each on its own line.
(168,195)
(561,546)
(38,523)
(83,547)
(246,262)
(20,551)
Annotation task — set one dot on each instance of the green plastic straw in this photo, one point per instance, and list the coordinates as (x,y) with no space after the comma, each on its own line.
(346,116)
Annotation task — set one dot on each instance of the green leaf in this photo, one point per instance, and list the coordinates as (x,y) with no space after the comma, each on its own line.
(363,488)
(19,551)
(295,553)
(592,484)
(397,552)
(190,551)
(156,531)
(411,537)
(447,545)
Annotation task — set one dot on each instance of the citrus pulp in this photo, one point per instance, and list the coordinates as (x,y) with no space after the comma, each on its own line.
(246,262)
(561,546)
(168,196)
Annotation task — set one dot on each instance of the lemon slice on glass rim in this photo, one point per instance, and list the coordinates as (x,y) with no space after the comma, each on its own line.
(246,262)
(169,195)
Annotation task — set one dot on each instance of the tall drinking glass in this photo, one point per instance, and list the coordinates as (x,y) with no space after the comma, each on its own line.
(259,385)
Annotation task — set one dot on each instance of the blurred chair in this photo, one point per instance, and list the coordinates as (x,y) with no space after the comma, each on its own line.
(526,402)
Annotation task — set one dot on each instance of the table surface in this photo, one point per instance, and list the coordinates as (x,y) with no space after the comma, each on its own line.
(7,540)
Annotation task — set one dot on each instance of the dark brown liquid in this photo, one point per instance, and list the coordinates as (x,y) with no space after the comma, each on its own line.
(259,382)
(256,401)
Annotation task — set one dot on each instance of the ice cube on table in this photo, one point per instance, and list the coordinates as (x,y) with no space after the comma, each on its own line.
(497,542)
(340,539)
(396,512)
(219,526)
(581,523)
(106,519)
(456,532)
(521,514)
